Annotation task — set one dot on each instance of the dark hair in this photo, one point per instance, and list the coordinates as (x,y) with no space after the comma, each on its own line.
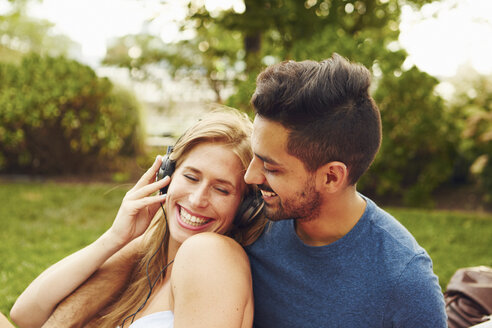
(327,109)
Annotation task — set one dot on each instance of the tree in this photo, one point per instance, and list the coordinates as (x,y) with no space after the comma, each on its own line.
(273,30)
(242,42)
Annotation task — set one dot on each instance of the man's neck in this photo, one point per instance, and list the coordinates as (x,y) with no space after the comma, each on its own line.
(337,217)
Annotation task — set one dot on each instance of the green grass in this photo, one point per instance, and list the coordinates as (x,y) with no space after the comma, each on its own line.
(43,222)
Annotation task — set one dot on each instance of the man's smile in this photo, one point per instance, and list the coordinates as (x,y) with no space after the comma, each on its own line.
(266,192)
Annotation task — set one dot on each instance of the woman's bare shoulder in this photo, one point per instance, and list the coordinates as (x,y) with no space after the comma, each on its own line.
(212,249)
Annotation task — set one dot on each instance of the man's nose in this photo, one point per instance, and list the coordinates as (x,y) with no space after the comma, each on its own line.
(254,173)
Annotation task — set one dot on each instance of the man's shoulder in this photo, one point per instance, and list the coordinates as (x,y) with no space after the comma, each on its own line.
(386,228)
(398,252)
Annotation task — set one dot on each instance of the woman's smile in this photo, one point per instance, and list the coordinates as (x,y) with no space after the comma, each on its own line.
(192,221)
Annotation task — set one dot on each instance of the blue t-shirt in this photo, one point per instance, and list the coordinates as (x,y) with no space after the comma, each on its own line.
(375,276)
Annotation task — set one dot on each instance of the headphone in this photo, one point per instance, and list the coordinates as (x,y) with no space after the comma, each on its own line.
(167,168)
(251,206)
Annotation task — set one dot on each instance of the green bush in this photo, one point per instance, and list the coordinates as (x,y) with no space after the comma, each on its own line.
(418,147)
(57,116)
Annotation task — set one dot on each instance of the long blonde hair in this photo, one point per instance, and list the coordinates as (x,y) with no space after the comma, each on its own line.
(225,126)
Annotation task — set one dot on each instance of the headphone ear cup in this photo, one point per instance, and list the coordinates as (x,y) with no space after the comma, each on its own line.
(251,206)
(167,169)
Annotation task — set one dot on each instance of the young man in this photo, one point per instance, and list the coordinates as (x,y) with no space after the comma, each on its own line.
(332,258)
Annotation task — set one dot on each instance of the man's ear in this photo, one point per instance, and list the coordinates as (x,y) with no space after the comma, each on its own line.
(333,176)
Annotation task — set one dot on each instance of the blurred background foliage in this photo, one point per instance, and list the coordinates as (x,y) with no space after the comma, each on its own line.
(429,143)
(59,117)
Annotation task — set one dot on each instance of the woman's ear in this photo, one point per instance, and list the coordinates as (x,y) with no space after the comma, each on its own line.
(333,176)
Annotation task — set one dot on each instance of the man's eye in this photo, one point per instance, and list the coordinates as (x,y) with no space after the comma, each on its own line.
(269,170)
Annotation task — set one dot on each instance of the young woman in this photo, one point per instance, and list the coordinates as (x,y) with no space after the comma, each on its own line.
(184,271)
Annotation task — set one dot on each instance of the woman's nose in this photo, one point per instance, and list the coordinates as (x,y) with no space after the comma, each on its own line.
(199,196)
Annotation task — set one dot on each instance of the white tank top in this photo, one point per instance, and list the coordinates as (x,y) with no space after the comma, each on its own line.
(163,319)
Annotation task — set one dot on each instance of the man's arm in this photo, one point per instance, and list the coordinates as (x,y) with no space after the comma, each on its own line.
(97,292)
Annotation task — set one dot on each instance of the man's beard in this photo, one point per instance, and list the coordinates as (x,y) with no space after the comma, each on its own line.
(305,205)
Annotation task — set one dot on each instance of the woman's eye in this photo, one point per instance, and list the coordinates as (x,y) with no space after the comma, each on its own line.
(222,190)
(190,177)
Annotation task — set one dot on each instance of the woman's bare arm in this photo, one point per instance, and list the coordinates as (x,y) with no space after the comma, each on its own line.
(97,292)
(40,298)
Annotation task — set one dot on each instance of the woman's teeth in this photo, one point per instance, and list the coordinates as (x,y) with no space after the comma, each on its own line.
(268,193)
(191,219)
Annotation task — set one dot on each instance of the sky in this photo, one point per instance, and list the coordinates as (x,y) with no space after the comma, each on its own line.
(439,38)
(442,36)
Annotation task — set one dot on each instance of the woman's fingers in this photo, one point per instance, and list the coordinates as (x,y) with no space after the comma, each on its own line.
(149,201)
(136,200)
(146,190)
(152,200)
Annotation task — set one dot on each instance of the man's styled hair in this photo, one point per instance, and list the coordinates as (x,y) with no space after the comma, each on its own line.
(327,109)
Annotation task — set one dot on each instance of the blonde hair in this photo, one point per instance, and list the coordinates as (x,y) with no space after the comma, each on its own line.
(225,126)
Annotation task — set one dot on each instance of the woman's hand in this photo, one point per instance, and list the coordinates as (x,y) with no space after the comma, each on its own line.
(138,207)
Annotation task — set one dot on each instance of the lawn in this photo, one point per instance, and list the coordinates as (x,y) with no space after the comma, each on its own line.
(43,222)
